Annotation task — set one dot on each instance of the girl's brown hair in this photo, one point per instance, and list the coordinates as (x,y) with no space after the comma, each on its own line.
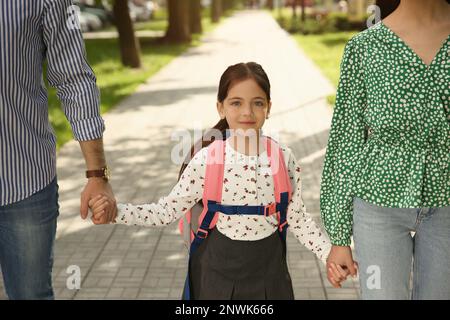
(235,73)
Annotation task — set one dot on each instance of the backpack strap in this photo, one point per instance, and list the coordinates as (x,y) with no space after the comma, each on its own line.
(282,185)
(212,194)
(212,191)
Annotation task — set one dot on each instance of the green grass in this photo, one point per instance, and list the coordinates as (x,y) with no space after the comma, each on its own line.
(326,51)
(159,22)
(114,80)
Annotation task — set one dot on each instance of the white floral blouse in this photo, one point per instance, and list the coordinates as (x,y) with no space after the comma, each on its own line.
(247,181)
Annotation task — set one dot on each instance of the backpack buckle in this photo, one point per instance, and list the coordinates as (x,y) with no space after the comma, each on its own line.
(270,209)
(202,233)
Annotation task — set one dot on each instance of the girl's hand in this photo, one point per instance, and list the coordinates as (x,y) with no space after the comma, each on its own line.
(340,264)
(99,206)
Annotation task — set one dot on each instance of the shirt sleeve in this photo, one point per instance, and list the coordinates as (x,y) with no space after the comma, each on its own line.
(347,138)
(300,222)
(186,193)
(68,70)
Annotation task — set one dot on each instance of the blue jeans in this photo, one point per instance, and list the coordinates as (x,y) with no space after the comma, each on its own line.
(27,235)
(386,251)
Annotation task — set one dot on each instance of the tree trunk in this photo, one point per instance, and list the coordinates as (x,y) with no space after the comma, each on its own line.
(216,10)
(178,30)
(226,5)
(129,44)
(195,18)
(303,16)
(269,4)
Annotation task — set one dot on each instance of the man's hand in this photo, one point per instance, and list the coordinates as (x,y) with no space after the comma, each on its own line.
(340,264)
(95,187)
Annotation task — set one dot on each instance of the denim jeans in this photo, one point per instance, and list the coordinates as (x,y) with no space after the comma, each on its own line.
(27,235)
(389,242)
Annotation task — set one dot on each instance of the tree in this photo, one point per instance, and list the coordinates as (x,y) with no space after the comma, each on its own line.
(216,10)
(302,4)
(129,44)
(294,4)
(195,18)
(230,4)
(226,5)
(294,8)
(269,4)
(178,30)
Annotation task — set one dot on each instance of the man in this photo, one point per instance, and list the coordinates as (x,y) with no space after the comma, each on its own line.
(32,31)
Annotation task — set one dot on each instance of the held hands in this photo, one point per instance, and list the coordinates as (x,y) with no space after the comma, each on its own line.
(94,188)
(100,206)
(340,264)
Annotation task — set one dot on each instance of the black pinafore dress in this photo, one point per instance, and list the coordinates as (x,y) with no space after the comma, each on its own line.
(226,269)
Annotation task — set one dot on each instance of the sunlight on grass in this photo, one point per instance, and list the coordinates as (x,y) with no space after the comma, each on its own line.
(116,81)
(326,51)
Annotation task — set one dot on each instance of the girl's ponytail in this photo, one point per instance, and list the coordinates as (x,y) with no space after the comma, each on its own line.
(222,126)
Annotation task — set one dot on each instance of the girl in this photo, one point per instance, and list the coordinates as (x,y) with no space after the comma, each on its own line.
(243,257)
(387,165)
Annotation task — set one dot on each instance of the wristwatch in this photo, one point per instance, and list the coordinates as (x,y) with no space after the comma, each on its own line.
(102,173)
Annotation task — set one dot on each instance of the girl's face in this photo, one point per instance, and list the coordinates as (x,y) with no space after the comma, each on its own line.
(246,107)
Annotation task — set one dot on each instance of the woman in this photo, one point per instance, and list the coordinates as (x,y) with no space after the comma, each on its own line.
(386,177)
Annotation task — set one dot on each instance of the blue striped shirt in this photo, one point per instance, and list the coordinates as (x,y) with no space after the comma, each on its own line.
(32,31)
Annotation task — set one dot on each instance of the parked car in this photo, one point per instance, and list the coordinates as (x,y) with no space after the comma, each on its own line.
(141,10)
(102,14)
(89,21)
(83,21)
(99,11)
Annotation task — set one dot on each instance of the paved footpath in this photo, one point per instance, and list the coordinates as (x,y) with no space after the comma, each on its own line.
(119,262)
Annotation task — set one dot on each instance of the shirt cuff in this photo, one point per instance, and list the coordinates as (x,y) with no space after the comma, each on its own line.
(121,216)
(345,242)
(88,129)
(326,252)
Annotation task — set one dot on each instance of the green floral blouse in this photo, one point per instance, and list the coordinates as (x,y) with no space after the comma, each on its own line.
(389,140)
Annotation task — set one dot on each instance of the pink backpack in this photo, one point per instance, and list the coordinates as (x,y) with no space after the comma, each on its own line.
(201,219)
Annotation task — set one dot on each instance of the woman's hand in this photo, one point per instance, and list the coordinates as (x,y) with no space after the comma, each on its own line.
(340,264)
